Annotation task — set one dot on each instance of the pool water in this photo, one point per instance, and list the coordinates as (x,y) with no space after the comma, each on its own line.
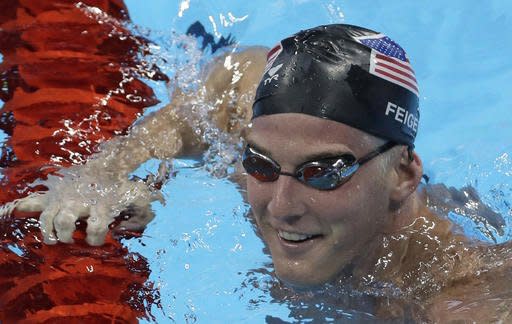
(460,55)
(204,255)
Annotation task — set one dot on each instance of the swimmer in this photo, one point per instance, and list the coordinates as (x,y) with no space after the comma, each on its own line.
(333,179)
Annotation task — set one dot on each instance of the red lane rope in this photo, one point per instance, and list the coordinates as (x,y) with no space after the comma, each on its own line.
(58,62)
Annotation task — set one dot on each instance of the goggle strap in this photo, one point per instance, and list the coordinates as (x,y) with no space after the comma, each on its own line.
(379,150)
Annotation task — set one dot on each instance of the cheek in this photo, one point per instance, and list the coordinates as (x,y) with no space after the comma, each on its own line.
(257,196)
(370,204)
(354,208)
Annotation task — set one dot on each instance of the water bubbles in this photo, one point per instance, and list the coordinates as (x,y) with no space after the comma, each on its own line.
(211,225)
(503,165)
(185,237)
(237,248)
(230,20)
(184,5)
(93,10)
(97,14)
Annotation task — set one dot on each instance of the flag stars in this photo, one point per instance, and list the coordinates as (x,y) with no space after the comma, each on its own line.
(385,45)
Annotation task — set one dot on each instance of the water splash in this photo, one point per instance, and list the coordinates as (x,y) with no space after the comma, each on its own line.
(334,11)
(223,148)
(184,5)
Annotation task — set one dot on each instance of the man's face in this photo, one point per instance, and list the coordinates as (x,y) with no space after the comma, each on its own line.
(342,222)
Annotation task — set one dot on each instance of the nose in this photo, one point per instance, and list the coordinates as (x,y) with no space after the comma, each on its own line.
(287,203)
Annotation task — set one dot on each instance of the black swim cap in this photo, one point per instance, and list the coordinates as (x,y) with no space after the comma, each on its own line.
(343,73)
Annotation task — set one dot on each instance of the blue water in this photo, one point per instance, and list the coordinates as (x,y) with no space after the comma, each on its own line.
(203,250)
(460,51)
(200,247)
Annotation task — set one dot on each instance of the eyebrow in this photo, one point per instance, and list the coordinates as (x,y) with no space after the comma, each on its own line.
(309,157)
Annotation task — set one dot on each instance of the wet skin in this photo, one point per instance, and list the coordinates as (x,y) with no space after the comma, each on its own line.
(341,224)
(313,235)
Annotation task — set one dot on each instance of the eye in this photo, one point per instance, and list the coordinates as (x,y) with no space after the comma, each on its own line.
(259,166)
(321,177)
(313,172)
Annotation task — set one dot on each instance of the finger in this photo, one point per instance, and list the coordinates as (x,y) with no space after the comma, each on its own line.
(46,223)
(164,169)
(33,203)
(65,224)
(97,225)
(157,195)
(140,216)
(156,182)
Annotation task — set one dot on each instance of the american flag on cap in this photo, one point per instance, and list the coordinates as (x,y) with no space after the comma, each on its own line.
(389,61)
(272,56)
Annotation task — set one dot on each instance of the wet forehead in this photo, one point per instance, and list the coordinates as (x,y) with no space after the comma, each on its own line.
(303,136)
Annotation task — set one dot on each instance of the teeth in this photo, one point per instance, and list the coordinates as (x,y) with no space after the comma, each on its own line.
(293,236)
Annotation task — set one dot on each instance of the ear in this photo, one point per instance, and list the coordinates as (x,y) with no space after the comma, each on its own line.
(409,172)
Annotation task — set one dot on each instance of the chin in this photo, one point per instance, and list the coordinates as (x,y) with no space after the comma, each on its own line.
(301,279)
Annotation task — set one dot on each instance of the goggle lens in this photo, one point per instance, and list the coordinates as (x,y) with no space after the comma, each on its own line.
(324,174)
(320,177)
(260,168)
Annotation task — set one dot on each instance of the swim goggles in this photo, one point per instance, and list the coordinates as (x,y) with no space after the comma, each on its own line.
(324,174)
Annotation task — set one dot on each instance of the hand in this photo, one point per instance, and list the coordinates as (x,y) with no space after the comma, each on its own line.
(98,198)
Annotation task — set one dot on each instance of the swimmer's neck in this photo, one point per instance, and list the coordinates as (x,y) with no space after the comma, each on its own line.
(400,219)
(405,215)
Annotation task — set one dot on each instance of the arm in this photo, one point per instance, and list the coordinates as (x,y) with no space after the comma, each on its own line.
(100,189)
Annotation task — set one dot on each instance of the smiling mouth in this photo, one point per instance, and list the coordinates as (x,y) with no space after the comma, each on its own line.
(296,237)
